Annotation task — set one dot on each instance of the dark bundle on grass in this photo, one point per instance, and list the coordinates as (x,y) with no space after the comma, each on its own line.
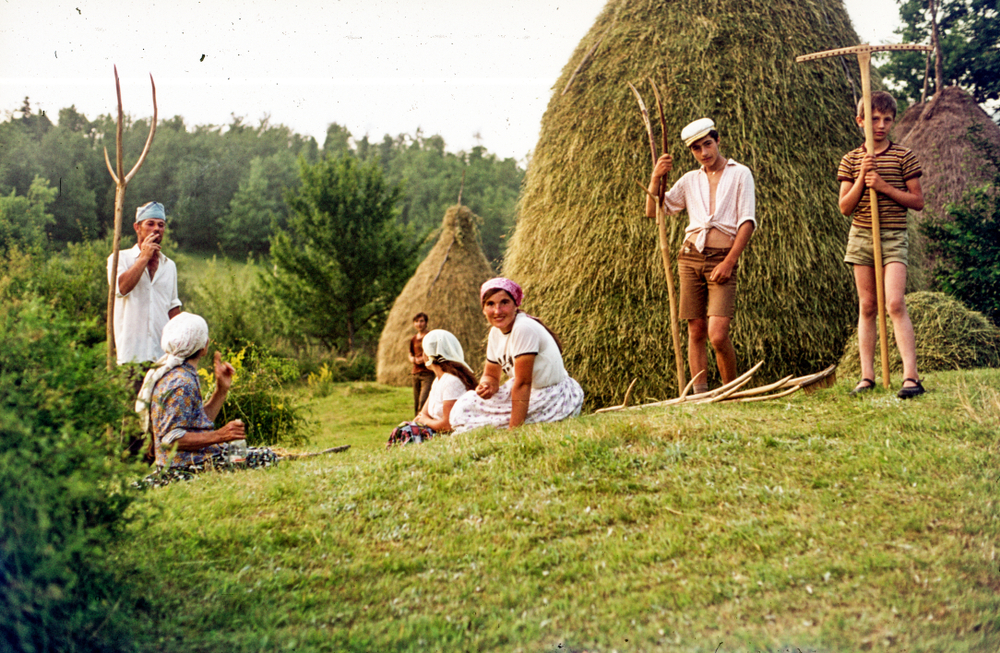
(949,336)
(938,133)
(446,287)
(583,249)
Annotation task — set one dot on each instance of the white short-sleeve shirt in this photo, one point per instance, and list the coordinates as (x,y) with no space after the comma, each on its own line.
(141,315)
(448,388)
(527,336)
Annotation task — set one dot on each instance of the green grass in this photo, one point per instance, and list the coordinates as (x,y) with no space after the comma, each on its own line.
(820,523)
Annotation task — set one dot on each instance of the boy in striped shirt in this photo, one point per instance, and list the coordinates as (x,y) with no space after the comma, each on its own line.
(894,173)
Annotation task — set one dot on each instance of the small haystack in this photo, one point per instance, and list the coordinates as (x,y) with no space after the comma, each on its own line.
(938,133)
(949,336)
(446,288)
(588,257)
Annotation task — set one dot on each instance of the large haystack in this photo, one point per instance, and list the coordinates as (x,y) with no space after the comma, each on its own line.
(949,335)
(446,287)
(938,133)
(583,249)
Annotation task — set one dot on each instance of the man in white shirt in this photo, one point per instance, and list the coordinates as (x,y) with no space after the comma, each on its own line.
(146,291)
(719,198)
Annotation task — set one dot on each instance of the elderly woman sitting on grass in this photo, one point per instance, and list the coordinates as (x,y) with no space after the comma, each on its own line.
(170,407)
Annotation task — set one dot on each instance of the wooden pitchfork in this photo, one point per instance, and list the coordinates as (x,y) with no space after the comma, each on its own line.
(121,182)
(661,225)
(864,53)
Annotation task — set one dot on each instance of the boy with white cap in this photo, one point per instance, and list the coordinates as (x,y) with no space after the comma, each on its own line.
(145,290)
(719,198)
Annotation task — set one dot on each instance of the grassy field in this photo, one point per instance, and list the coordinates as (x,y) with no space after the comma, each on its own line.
(815,523)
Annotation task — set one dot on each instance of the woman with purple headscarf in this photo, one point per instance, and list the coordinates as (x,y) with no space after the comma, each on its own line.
(520,346)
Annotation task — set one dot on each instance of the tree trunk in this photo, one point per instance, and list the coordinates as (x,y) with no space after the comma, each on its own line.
(938,58)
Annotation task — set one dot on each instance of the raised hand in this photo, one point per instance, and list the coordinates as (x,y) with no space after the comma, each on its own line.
(223,374)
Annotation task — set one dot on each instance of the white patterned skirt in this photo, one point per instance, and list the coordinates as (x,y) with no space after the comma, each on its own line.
(551,404)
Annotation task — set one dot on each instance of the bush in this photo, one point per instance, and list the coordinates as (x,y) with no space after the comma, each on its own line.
(72,281)
(358,367)
(967,242)
(257,397)
(62,493)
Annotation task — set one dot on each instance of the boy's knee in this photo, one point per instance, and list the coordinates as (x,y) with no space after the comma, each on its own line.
(896,307)
(697,330)
(719,339)
(868,308)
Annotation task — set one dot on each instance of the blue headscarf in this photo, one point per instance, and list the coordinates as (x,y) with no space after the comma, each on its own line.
(150,211)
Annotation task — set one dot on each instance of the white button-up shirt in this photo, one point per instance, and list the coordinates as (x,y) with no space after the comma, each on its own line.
(141,315)
(734,201)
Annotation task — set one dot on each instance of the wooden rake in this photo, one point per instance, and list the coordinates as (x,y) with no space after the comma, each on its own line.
(121,182)
(864,53)
(661,225)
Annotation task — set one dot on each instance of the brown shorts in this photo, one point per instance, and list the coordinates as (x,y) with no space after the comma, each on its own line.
(701,298)
(861,248)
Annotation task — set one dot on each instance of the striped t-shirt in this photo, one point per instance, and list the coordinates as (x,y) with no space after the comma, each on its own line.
(896,165)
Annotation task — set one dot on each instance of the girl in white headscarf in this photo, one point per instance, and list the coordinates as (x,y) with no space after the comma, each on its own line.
(452,379)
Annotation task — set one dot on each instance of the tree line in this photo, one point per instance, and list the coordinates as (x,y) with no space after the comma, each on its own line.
(225,187)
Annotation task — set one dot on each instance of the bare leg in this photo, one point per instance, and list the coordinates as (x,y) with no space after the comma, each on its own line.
(864,279)
(725,353)
(902,327)
(697,339)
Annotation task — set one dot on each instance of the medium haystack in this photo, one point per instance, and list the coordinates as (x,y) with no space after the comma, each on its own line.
(949,336)
(938,133)
(583,249)
(446,288)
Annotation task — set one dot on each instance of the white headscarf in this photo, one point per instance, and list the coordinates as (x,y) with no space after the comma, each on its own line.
(183,337)
(440,345)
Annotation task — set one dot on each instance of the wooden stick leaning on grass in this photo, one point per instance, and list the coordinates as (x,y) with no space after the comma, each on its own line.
(310,454)
(730,392)
(121,182)
(624,404)
(864,53)
(661,226)
(685,398)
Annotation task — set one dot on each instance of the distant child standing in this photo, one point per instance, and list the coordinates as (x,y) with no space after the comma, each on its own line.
(894,173)
(422,377)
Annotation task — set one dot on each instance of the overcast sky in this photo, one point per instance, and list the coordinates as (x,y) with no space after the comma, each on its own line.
(472,71)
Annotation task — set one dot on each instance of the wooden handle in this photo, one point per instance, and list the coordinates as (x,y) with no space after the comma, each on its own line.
(864,61)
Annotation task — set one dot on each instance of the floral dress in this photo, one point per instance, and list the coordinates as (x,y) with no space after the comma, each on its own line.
(177,408)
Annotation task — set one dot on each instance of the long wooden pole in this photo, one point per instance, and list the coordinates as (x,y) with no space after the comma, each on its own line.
(121,182)
(661,224)
(864,61)
(668,268)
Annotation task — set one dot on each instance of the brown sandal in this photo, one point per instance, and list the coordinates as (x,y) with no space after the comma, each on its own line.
(911,392)
(864,385)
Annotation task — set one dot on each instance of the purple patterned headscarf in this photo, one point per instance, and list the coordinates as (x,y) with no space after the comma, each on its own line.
(502,283)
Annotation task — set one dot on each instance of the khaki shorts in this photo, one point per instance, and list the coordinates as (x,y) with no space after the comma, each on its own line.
(860,250)
(701,298)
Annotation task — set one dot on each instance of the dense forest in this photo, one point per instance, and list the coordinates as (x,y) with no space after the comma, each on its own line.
(225,186)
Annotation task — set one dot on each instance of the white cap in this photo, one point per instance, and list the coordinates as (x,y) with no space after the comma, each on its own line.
(698,129)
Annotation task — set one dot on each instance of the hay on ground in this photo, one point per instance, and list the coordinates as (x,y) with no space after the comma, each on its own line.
(587,256)
(949,336)
(446,288)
